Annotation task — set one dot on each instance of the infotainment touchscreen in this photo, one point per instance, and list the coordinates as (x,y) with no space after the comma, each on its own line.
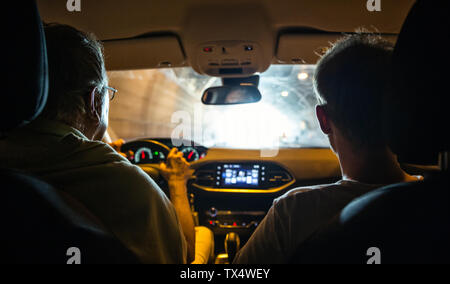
(239,175)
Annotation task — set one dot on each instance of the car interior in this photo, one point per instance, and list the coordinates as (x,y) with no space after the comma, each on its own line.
(229,83)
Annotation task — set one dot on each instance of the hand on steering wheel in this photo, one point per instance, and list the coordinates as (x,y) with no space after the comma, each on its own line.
(117,145)
(176,168)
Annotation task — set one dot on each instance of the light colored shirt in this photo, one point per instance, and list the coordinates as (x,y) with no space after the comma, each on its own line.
(122,196)
(294,216)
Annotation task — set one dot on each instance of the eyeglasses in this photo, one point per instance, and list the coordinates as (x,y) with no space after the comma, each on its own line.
(111,92)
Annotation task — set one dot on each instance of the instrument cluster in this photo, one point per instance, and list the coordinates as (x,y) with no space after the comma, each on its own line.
(155,151)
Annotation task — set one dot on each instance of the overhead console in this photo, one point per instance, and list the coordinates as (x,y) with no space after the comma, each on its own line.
(228,58)
(244,177)
(228,39)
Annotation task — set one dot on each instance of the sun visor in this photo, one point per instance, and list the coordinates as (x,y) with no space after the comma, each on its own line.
(143,53)
(305,48)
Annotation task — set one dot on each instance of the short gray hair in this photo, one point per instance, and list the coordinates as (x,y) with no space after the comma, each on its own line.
(76,66)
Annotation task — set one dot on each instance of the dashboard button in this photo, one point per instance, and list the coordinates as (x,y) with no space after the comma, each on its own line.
(212,212)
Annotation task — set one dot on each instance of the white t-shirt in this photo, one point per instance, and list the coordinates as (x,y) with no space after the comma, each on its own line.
(294,216)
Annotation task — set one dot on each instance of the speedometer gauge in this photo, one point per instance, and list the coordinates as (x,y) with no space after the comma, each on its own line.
(143,155)
(190,154)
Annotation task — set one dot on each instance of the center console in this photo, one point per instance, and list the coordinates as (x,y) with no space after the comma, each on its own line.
(235,196)
(247,177)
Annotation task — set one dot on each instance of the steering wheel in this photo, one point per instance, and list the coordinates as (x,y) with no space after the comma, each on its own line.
(148,155)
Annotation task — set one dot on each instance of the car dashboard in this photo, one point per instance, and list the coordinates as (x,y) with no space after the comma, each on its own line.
(232,189)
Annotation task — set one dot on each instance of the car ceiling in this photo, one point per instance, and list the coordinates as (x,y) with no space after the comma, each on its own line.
(194,22)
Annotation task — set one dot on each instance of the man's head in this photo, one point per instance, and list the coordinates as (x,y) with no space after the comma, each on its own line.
(351,81)
(77,91)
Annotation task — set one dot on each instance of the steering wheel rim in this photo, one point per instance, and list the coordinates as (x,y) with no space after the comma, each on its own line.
(154,166)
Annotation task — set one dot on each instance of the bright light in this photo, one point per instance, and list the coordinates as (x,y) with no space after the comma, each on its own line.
(284,93)
(302,76)
(252,126)
(302,125)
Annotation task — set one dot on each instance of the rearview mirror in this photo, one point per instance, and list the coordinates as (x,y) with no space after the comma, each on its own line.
(231,95)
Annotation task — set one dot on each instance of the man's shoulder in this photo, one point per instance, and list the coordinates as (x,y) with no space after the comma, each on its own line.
(91,150)
(307,191)
(118,173)
(320,193)
(127,175)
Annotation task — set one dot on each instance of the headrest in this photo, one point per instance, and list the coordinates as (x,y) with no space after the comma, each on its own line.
(419,111)
(24,93)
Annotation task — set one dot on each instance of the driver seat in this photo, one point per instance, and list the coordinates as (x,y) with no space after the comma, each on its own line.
(40,224)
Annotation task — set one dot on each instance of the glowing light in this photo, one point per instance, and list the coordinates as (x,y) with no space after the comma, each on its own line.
(302,125)
(284,94)
(302,76)
(252,126)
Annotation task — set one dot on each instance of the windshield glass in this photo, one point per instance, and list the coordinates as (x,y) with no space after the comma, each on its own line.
(159,103)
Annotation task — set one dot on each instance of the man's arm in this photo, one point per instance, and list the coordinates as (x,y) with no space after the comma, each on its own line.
(133,208)
(176,171)
(292,218)
(265,245)
(178,196)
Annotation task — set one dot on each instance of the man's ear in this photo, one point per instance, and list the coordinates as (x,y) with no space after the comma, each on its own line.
(91,102)
(324,121)
(91,105)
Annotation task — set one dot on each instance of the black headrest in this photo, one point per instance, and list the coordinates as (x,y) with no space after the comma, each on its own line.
(24,93)
(419,112)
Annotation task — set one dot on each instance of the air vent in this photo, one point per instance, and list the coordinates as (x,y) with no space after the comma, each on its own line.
(205,177)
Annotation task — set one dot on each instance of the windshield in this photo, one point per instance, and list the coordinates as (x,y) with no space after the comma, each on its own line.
(159,103)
